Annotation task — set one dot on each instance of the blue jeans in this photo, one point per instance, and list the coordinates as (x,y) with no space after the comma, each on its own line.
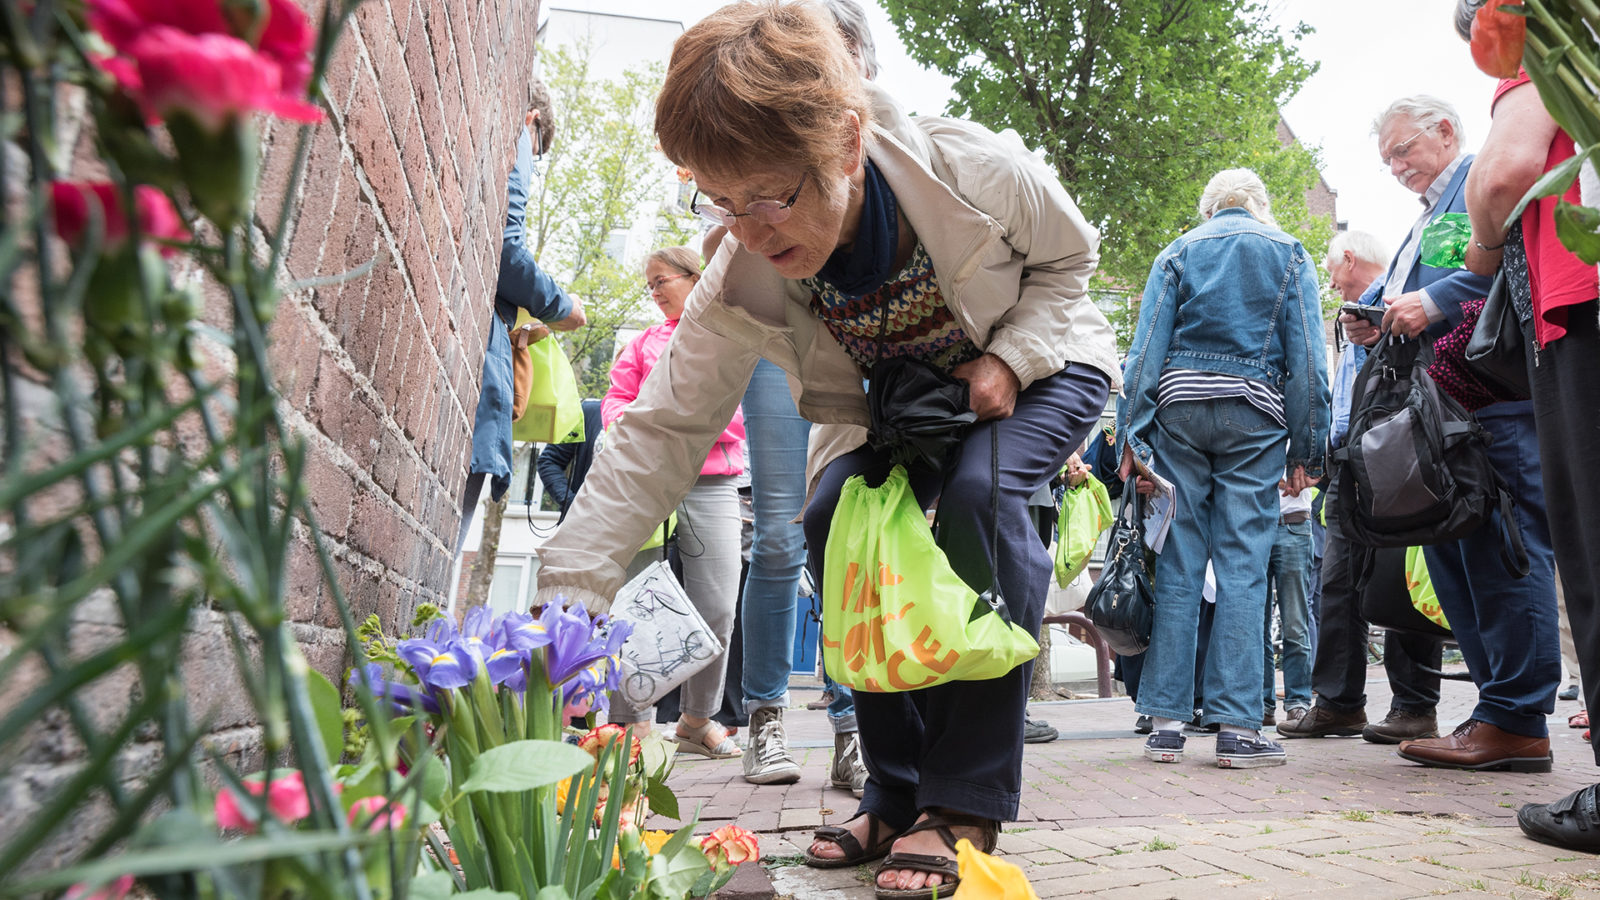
(1289,572)
(1225,457)
(1506,626)
(842,711)
(776,437)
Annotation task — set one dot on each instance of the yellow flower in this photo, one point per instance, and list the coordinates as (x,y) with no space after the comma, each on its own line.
(985,878)
(655,840)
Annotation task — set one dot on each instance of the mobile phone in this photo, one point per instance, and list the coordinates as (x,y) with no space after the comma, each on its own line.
(1373,314)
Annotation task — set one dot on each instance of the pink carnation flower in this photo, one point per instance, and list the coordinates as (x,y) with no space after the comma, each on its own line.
(389,816)
(286,800)
(73,201)
(191,56)
(116,890)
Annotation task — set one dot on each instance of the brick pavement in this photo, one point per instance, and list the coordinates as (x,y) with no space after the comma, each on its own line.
(1097,819)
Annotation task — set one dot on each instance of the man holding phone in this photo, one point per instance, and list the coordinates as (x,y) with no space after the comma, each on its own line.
(1356,264)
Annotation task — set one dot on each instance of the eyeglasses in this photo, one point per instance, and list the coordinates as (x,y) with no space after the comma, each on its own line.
(767,212)
(654,287)
(1404,148)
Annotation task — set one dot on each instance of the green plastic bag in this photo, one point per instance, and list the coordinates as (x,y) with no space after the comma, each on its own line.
(1420,584)
(895,616)
(554,409)
(1444,241)
(1085,513)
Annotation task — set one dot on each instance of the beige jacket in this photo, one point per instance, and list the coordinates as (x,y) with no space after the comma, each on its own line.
(1013,256)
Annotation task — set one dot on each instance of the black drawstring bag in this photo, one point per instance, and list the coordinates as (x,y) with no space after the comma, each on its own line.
(1121,604)
(920,414)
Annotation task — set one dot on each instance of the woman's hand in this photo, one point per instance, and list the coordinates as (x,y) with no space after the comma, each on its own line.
(992,386)
(1077,472)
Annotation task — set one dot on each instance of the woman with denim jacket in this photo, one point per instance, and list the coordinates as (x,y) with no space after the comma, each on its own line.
(1227,366)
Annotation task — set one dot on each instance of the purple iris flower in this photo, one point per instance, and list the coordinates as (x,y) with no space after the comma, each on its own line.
(524,632)
(445,666)
(592,683)
(403,699)
(574,644)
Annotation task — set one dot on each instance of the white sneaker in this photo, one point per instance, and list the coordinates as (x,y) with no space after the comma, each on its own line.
(848,772)
(767,759)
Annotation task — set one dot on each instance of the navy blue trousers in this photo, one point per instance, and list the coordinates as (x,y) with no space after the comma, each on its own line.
(1506,626)
(958,745)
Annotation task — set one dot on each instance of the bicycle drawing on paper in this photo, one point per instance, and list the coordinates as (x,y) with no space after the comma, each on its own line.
(660,646)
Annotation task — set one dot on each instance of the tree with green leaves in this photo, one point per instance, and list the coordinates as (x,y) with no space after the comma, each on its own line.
(1135,103)
(603,173)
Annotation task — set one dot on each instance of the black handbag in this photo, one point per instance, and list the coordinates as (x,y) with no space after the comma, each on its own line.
(1121,604)
(1497,353)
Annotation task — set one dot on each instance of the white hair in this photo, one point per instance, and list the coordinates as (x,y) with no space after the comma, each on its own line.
(1426,111)
(1237,187)
(852,21)
(1362,245)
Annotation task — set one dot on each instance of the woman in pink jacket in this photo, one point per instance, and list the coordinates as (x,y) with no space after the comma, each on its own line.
(708,518)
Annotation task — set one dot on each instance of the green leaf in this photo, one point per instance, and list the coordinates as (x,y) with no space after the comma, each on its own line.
(662,799)
(552,892)
(490,894)
(432,886)
(525,765)
(1579,230)
(1556,181)
(193,856)
(325,708)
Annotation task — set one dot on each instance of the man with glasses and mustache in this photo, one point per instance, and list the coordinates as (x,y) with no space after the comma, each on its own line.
(1505,626)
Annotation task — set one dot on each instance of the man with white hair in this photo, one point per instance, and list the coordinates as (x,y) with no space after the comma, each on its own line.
(1504,625)
(1356,263)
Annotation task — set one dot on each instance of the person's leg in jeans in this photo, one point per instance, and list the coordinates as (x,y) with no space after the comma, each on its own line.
(1504,625)
(708,541)
(1319,540)
(1224,456)
(776,437)
(958,746)
(1290,573)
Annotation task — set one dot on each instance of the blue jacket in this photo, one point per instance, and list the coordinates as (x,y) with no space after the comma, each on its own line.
(1448,288)
(562,466)
(1235,297)
(521,284)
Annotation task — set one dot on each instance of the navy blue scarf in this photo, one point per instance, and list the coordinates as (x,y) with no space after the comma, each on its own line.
(864,266)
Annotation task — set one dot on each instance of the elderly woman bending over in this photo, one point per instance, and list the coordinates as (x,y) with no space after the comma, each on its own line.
(1227,370)
(852,226)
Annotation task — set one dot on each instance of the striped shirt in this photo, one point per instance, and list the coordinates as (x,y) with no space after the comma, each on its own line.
(1178,385)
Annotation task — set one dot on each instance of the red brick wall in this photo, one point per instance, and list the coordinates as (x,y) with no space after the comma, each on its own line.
(380,373)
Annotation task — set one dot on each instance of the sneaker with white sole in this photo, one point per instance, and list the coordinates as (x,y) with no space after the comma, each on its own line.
(848,771)
(767,760)
(1164,746)
(1243,751)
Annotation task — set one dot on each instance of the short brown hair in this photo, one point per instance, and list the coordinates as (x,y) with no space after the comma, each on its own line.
(683,259)
(760,85)
(539,99)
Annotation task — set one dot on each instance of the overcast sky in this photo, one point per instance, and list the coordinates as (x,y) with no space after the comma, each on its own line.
(1371,52)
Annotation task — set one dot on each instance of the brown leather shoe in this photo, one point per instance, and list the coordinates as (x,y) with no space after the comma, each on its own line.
(1402,725)
(1480,746)
(1321,721)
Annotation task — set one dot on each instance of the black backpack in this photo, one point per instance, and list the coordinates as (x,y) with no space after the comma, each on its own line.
(1414,470)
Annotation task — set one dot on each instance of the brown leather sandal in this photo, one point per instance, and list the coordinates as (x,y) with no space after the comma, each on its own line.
(879,835)
(943,866)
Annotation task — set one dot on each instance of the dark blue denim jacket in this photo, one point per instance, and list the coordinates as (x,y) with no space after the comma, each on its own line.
(521,284)
(1236,297)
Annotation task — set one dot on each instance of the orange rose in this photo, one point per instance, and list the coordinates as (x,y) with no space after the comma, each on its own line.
(731,844)
(600,738)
